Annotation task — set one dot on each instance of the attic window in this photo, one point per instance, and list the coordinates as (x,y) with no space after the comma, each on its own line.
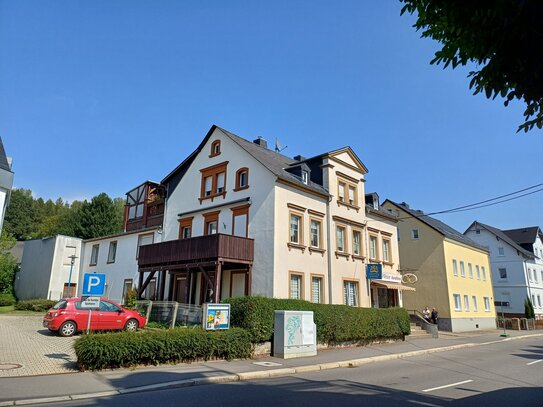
(305,176)
(477,231)
(215,148)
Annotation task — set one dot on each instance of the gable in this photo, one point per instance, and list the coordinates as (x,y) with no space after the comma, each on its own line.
(347,157)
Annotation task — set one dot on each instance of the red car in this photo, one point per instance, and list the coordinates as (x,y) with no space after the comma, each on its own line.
(68,317)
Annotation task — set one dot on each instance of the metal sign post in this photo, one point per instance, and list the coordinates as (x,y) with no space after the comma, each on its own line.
(93,288)
(90,303)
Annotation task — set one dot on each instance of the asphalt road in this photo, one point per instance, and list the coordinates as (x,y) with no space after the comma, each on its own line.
(503,374)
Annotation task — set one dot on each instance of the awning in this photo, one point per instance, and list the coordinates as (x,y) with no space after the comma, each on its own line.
(392,286)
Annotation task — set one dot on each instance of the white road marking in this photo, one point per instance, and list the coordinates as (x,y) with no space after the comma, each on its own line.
(447,385)
(534,362)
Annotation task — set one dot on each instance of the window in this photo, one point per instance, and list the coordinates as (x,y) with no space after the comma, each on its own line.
(185,228)
(341,191)
(533,300)
(144,240)
(462,270)
(373,247)
(112,253)
(295,286)
(69,254)
(477,231)
(295,232)
(535,276)
(215,148)
(538,300)
(340,238)
(466,303)
(486,301)
(474,300)
(211,221)
(316,289)
(240,221)
(242,179)
(415,234)
(503,273)
(315,233)
(470,270)
(529,273)
(352,195)
(478,272)
(94,255)
(213,181)
(455,268)
(305,176)
(501,251)
(457,302)
(348,192)
(386,251)
(483,272)
(350,293)
(127,287)
(357,245)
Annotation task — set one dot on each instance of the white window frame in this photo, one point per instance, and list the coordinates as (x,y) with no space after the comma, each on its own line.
(470,270)
(300,293)
(483,272)
(457,302)
(501,251)
(112,252)
(474,300)
(317,234)
(462,269)
(486,301)
(350,287)
(295,236)
(466,303)
(95,251)
(386,250)
(320,280)
(455,267)
(500,273)
(478,272)
(341,237)
(415,234)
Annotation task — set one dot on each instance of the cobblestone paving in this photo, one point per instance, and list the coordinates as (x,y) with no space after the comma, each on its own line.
(25,343)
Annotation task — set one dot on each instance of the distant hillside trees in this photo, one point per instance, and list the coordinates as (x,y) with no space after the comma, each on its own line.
(30,218)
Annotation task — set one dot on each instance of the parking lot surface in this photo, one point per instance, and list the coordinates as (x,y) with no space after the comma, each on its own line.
(28,349)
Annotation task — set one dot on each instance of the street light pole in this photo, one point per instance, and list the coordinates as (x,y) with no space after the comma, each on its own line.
(72,257)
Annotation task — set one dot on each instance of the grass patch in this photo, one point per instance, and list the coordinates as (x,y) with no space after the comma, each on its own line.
(10,310)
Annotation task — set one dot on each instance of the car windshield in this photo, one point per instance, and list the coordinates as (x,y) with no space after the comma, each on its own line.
(60,305)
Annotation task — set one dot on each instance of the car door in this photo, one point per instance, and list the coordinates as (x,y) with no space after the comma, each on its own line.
(81,317)
(109,316)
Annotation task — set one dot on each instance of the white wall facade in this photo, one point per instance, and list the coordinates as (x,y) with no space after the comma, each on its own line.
(517,284)
(124,265)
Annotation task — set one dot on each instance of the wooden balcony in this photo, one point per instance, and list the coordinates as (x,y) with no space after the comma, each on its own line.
(217,247)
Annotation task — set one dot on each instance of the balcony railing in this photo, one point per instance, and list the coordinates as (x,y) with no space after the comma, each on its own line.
(197,249)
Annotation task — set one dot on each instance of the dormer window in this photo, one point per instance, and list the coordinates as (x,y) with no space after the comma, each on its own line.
(215,148)
(305,176)
(242,179)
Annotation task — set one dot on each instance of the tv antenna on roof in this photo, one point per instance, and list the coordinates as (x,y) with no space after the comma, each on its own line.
(278,147)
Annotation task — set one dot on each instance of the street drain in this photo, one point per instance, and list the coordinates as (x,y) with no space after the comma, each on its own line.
(9,366)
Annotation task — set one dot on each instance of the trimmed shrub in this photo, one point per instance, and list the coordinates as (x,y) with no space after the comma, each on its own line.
(335,323)
(124,349)
(7,299)
(38,305)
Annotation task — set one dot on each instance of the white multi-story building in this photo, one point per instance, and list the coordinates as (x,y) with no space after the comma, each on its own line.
(516,259)
(243,219)
(6,182)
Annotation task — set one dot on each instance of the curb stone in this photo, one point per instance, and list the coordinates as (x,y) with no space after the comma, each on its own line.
(260,374)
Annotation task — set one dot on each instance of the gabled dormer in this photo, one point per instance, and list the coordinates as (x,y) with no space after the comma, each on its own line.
(301,170)
(144,206)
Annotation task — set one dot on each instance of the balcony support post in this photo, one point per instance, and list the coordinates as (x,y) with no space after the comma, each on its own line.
(218,272)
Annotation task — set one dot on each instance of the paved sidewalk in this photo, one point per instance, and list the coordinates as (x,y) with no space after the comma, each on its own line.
(28,349)
(23,390)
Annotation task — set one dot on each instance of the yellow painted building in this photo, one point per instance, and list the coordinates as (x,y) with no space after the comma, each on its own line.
(453,271)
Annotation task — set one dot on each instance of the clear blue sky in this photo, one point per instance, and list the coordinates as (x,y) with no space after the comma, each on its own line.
(98,96)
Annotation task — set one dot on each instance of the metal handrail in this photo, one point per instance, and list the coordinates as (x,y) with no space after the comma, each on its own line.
(425,324)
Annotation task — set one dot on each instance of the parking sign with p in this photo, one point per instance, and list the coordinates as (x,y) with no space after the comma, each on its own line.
(93,284)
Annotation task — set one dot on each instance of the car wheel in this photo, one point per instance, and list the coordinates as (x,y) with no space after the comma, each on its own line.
(68,328)
(131,325)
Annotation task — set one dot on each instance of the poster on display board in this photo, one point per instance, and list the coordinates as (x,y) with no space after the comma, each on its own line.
(216,316)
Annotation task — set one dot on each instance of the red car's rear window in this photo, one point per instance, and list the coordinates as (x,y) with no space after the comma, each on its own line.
(60,305)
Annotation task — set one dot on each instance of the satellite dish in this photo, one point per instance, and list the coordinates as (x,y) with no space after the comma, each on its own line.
(278,146)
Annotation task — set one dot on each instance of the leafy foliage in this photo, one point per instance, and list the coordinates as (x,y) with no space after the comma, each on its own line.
(335,323)
(38,305)
(503,39)
(529,308)
(29,218)
(8,264)
(100,351)
(7,299)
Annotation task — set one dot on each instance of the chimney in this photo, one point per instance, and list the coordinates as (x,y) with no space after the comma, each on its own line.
(261,142)
(405,204)
(299,158)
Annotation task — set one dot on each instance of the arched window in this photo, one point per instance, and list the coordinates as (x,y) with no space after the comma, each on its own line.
(215,148)
(242,179)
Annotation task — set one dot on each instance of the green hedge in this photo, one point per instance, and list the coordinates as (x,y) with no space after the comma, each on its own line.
(35,305)
(124,349)
(7,299)
(335,323)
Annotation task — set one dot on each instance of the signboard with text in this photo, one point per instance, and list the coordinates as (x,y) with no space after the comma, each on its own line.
(90,302)
(374,271)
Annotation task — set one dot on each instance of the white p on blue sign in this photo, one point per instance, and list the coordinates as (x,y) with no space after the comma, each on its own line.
(93,284)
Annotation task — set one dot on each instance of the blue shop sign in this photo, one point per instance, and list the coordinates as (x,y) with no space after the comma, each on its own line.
(374,271)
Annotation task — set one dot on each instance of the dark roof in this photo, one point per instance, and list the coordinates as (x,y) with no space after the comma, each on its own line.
(273,161)
(3,159)
(524,235)
(503,236)
(439,226)
(381,212)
